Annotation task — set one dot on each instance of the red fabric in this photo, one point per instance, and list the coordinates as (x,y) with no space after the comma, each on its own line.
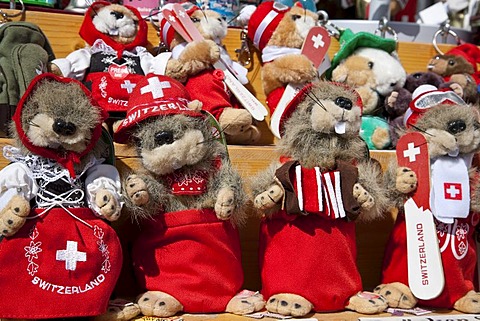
(260,13)
(90,34)
(66,159)
(408,13)
(209,87)
(192,256)
(310,256)
(460,275)
(108,91)
(153,96)
(25,271)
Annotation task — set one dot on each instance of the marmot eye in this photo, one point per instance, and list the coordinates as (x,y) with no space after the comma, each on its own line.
(456,126)
(370,65)
(117,15)
(163,138)
(451,62)
(195,20)
(344,103)
(417,75)
(295,17)
(222,19)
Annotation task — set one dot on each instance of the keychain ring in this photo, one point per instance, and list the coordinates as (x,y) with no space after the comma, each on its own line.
(323,21)
(384,28)
(444,31)
(5,15)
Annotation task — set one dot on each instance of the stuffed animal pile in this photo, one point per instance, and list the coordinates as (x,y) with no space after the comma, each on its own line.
(55,196)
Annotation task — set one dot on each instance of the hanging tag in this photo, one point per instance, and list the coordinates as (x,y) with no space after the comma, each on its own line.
(182,23)
(425,270)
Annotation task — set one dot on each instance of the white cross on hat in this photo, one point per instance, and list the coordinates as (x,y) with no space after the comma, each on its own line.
(155,86)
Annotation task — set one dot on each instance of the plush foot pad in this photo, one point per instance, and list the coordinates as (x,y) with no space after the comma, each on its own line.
(367,303)
(289,304)
(470,303)
(398,295)
(158,304)
(119,310)
(243,304)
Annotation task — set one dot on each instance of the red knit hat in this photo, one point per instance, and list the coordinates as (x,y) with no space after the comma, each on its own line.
(277,125)
(426,97)
(264,21)
(468,51)
(154,95)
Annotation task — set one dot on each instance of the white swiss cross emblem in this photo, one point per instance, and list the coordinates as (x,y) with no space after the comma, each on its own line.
(128,86)
(155,86)
(71,256)
(411,152)
(453,191)
(318,41)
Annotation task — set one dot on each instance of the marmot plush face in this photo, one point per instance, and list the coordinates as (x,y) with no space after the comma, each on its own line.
(210,23)
(59,116)
(450,129)
(116,21)
(447,65)
(293,28)
(171,142)
(324,127)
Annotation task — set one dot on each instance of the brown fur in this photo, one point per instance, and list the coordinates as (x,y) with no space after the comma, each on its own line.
(310,138)
(157,162)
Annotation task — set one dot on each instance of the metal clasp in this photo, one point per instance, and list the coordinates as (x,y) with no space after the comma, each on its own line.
(444,31)
(244,55)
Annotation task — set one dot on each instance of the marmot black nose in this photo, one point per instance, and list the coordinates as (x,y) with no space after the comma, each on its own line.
(64,128)
(344,103)
(456,126)
(117,15)
(163,138)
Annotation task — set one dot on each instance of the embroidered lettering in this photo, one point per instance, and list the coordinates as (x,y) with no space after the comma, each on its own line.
(68,290)
(421,254)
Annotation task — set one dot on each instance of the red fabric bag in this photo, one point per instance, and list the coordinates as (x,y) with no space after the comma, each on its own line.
(310,256)
(192,256)
(57,266)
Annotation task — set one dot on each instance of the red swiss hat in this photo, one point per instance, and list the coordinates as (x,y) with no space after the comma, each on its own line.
(426,97)
(263,22)
(153,96)
(279,117)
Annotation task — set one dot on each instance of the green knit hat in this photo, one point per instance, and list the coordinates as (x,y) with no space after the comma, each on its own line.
(350,41)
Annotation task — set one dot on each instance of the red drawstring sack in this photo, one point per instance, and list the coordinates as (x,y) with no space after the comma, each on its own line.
(191,255)
(59,266)
(311,256)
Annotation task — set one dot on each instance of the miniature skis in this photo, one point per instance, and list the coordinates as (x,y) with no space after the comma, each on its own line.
(425,271)
(181,22)
(315,47)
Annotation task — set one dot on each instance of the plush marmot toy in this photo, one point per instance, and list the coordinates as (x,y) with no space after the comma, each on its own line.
(208,85)
(188,201)
(117,57)
(459,65)
(323,183)
(59,257)
(279,31)
(451,130)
